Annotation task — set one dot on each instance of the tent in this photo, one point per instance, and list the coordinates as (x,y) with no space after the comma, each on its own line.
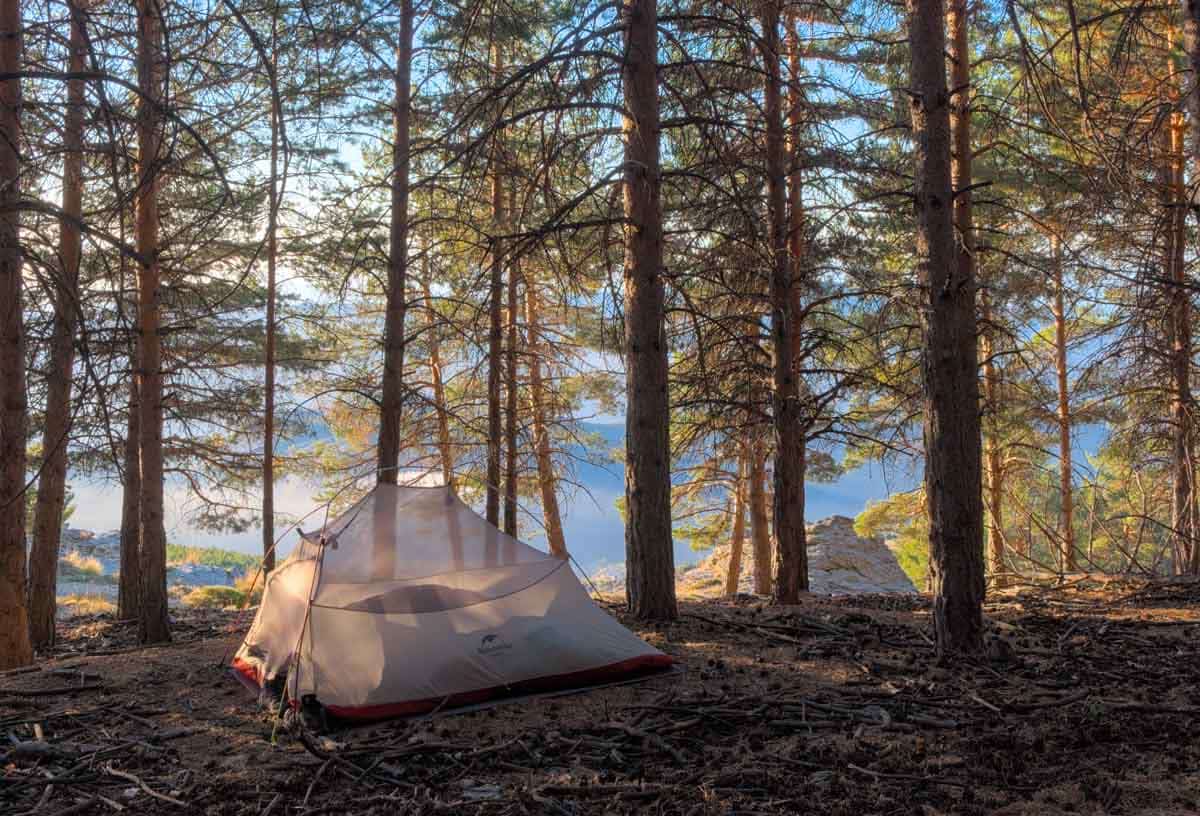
(411,602)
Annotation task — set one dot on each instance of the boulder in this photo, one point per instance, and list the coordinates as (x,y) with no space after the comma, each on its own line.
(74,535)
(840,562)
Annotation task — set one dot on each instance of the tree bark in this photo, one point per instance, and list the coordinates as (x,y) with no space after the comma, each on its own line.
(510,405)
(153,623)
(760,526)
(392,398)
(268,465)
(993,462)
(547,482)
(961,154)
(649,552)
(445,448)
(52,483)
(495,319)
(737,535)
(1184,496)
(949,359)
(129,588)
(797,250)
(791,566)
(958,58)
(1185,428)
(15,648)
(1067,554)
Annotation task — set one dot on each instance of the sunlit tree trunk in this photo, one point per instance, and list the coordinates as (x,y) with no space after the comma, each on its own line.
(992,455)
(1067,554)
(129,587)
(760,525)
(15,648)
(949,356)
(445,448)
(792,557)
(495,318)
(1186,417)
(52,484)
(268,468)
(649,553)
(153,622)
(510,405)
(797,251)
(737,535)
(392,398)
(1184,495)
(961,151)
(547,482)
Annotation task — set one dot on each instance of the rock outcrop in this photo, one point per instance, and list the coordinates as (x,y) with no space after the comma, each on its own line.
(840,562)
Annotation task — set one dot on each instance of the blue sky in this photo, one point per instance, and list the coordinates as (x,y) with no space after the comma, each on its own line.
(593,527)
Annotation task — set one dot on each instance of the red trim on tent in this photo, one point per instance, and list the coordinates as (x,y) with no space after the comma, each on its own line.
(247,673)
(555,682)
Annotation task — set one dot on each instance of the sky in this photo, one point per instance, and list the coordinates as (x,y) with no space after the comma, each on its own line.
(592,526)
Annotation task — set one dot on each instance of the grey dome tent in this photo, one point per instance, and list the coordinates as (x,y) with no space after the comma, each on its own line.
(410,602)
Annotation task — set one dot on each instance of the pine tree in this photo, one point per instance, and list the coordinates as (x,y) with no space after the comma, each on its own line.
(650,559)
(15,649)
(52,482)
(153,622)
(952,435)
(394,331)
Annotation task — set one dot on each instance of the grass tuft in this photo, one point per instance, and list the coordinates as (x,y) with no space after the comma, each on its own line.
(214,597)
(75,565)
(73,605)
(242,585)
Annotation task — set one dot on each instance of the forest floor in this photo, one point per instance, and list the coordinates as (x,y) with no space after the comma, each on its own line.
(1087,702)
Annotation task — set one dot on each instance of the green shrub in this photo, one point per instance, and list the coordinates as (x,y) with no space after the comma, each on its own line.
(210,557)
(901,517)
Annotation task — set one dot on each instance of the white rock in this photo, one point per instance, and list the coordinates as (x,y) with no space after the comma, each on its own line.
(840,562)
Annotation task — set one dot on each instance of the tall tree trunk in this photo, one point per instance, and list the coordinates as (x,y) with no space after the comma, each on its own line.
(52,484)
(393,330)
(1191,44)
(797,251)
(949,359)
(268,467)
(994,483)
(445,448)
(153,622)
(129,587)
(510,405)
(547,482)
(649,552)
(1184,520)
(15,648)
(1067,556)
(760,528)
(961,153)
(958,58)
(737,535)
(495,319)
(795,178)
(791,577)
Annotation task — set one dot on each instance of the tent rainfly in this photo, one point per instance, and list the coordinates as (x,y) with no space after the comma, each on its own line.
(411,602)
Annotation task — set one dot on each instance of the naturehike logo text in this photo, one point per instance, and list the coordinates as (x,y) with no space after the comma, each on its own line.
(490,644)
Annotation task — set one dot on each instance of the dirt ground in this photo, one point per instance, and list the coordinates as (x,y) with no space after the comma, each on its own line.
(1087,702)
